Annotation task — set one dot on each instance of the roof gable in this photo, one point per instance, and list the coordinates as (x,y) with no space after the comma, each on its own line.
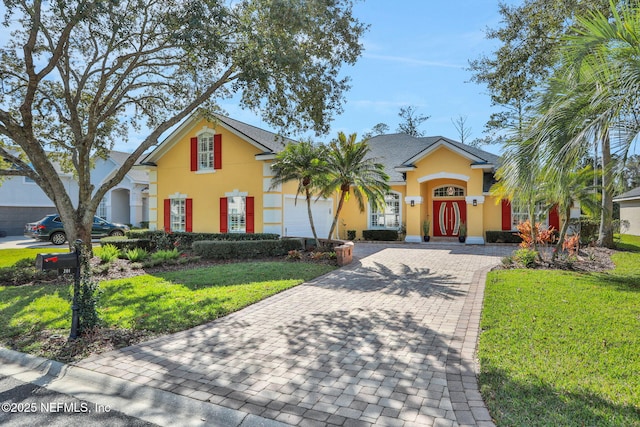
(267,142)
(402,151)
(475,155)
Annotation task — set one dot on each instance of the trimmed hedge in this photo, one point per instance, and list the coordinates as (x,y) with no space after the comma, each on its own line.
(384,235)
(125,244)
(184,241)
(247,249)
(503,237)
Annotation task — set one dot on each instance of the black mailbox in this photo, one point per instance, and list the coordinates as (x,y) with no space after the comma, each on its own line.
(64,262)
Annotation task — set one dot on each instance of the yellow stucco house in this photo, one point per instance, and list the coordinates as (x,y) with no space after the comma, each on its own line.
(216,177)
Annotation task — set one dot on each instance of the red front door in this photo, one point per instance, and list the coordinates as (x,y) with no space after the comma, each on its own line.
(448,216)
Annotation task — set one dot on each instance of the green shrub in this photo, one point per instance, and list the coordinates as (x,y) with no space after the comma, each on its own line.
(165,255)
(108,253)
(183,241)
(503,237)
(383,235)
(525,257)
(245,249)
(124,244)
(136,254)
(587,228)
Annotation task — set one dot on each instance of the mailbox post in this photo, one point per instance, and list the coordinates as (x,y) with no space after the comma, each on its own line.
(66,263)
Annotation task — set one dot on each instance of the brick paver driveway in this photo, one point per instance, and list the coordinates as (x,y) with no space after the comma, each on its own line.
(388,340)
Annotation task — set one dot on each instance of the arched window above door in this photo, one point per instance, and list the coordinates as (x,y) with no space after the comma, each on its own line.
(449,191)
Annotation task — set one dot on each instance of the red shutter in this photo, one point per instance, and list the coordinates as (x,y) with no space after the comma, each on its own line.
(224,224)
(506,215)
(167,215)
(194,153)
(188,207)
(250,215)
(217,151)
(554,218)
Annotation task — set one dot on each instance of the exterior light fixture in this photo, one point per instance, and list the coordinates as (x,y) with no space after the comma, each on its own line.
(475,202)
(413,203)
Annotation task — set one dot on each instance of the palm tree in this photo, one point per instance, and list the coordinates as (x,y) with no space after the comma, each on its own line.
(351,169)
(519,177)
(305,163)
(563,190)
(594,98)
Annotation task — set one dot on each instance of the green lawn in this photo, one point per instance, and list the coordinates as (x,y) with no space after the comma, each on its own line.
(160,303)
(562,348)
(8,257)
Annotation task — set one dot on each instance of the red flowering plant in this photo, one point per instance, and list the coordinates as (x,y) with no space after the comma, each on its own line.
(534,236)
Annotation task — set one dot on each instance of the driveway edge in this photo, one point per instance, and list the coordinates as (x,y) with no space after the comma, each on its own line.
(146,403)
(462,366)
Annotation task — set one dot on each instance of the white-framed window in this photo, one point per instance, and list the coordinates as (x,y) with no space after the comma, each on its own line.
(237,214)
(205,151)
(390,215)
(28,180)
(448,191)
(178,214)
(102,209)
(520,213)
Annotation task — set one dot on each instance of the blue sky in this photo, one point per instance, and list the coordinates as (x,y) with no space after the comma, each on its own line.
(416,53)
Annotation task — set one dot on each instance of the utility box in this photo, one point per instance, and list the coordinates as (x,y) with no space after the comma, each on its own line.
(63,262)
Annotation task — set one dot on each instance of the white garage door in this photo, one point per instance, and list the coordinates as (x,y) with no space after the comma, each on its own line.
(296,218)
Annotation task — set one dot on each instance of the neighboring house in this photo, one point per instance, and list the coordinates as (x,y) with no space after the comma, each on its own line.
(630,210)
(22,201)
(216,177)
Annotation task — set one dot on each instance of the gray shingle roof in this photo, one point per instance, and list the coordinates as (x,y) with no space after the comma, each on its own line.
(629,195)
(137,175)
(398,149)
(270,141)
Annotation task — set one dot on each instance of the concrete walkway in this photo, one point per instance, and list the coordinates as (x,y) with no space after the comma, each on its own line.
(389,340)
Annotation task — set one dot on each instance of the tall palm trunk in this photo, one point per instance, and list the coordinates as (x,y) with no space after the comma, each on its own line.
(563,232)
(343,195)
(313,226)
(605,235)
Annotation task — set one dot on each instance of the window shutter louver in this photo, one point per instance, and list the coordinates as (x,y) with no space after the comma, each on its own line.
(167,215)
(224,224)
(250,215)
(194,153)
(188,207)
(217,151)
(506,215)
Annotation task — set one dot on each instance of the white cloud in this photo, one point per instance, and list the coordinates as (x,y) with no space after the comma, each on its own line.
(412,61)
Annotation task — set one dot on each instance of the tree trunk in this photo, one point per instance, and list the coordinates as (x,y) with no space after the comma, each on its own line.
(343,194)
(313,227)
(563,232)
(605,236)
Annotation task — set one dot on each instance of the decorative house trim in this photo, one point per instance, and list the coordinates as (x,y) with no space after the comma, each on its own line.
(177,196)
(417,200)
(236,193)
(265,156)
(470,199)
(485,166)
(445,175)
